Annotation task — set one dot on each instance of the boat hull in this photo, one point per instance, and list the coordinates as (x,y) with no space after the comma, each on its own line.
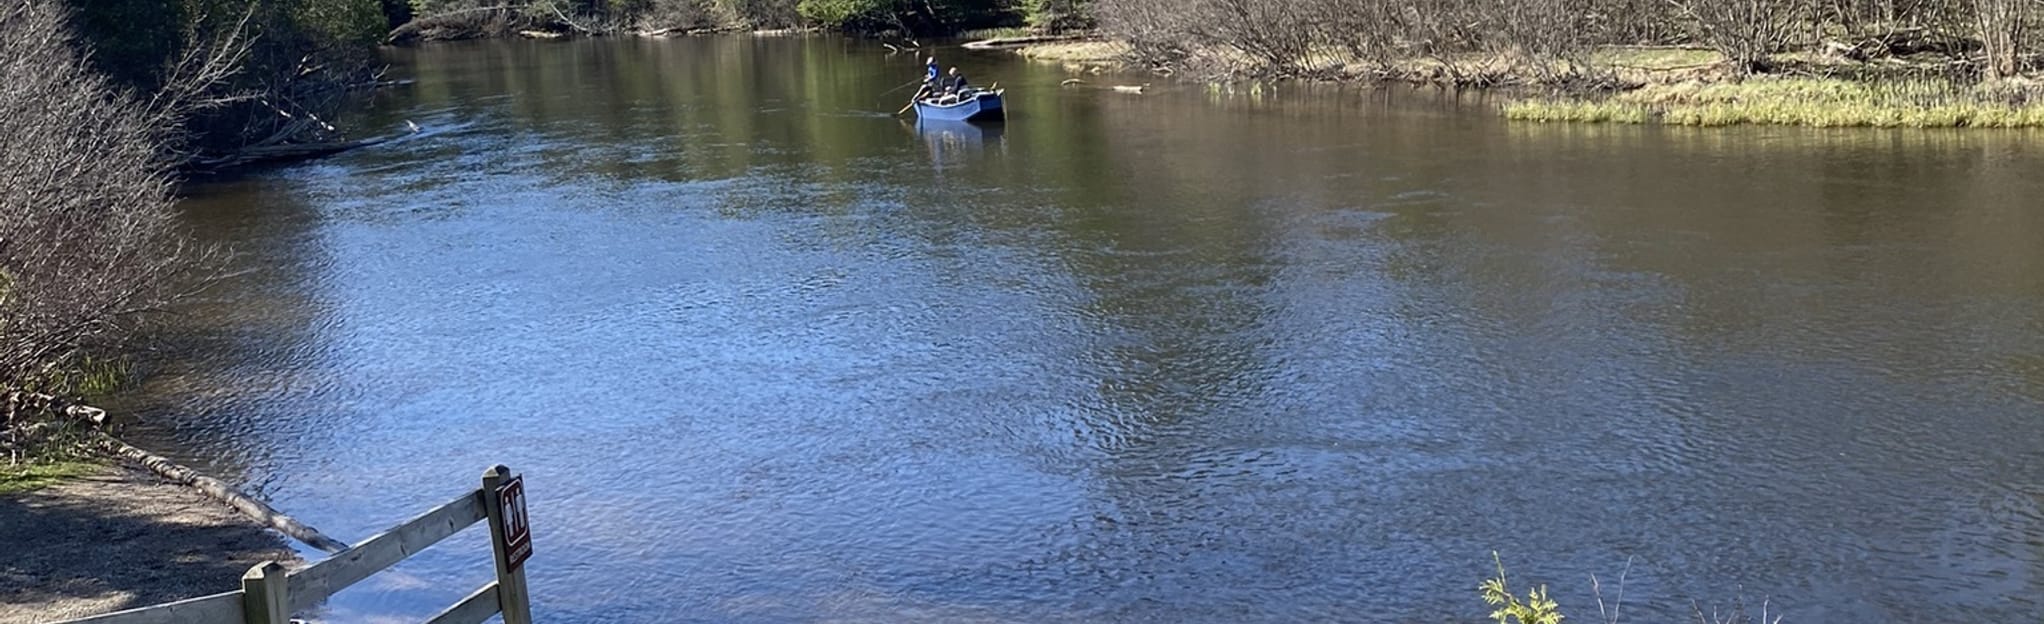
(983,106)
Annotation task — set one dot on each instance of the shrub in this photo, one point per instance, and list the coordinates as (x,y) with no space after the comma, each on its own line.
(88,238)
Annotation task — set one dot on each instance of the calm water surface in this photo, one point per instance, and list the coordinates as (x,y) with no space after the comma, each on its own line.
(767,354)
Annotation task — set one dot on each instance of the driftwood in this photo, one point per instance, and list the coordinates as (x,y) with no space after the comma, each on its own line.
(222,492)
(18,402)
(1136,89)
(998,43)
(571,23)
(420,24)
(214,488)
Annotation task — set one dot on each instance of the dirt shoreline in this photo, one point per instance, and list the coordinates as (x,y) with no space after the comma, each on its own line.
(118,538)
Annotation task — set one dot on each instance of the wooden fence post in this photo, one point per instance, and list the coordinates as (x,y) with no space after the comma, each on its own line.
(511,595)
(263,596)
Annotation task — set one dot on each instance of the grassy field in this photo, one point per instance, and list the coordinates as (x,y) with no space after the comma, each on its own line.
(1819,102)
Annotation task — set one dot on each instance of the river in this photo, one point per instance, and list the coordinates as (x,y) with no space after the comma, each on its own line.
(767,354)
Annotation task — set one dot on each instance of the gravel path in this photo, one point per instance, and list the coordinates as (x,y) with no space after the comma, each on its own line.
(119,539)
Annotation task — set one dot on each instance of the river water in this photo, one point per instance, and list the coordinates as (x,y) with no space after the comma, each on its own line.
(767,354)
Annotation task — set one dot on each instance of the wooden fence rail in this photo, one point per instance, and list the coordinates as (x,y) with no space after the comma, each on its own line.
(270,594)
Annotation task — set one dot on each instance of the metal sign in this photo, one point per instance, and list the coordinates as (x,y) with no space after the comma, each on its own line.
(517,529)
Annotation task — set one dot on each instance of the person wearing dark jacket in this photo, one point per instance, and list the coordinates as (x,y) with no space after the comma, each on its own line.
(954,86)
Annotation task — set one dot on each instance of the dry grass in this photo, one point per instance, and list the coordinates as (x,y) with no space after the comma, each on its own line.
(1819,102)
(1611,65)
(996,33)
(1656,58)
(1080,52)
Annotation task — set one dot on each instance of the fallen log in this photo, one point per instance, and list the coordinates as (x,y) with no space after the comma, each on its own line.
(211,487)
(18,402)
(417,28)
(998,43)
(222,492)
(258,154)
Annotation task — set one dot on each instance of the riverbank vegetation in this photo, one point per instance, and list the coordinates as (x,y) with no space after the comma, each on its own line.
(88,242)
(1701,62)
(465,19)
(225,79)
(103,104)
(1562,40)
(1539,608)
(1821,102)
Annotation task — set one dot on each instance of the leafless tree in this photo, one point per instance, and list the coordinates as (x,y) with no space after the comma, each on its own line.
(88,240)
(1748,32)
(2003,27)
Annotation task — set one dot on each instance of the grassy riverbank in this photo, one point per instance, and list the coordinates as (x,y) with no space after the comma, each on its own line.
(1820,102)
(1668,85)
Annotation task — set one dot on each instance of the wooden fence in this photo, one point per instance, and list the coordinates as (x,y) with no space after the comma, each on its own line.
(269,593)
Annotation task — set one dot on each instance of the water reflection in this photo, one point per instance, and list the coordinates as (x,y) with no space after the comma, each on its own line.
(952,142)
(1295,354)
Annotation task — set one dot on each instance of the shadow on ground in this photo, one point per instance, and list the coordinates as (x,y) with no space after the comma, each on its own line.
(116,540)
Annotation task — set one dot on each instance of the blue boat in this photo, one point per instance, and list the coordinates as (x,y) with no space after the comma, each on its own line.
(981,106)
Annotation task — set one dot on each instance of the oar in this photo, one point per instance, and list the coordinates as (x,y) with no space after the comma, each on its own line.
(911,102)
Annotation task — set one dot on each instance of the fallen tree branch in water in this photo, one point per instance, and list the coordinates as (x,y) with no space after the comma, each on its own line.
(1016,42)
(222,492)
(278,152)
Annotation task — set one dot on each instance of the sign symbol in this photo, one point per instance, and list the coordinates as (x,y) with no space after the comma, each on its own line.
(517,528)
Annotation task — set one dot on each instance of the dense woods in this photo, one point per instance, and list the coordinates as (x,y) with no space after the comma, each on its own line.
(481,18)
(1279,38)
(1261,37)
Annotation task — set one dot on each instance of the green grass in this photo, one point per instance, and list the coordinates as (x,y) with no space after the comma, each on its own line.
(1818,102)
(32,476)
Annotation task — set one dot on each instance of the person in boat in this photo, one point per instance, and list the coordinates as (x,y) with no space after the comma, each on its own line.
(932,79)
(954,87)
